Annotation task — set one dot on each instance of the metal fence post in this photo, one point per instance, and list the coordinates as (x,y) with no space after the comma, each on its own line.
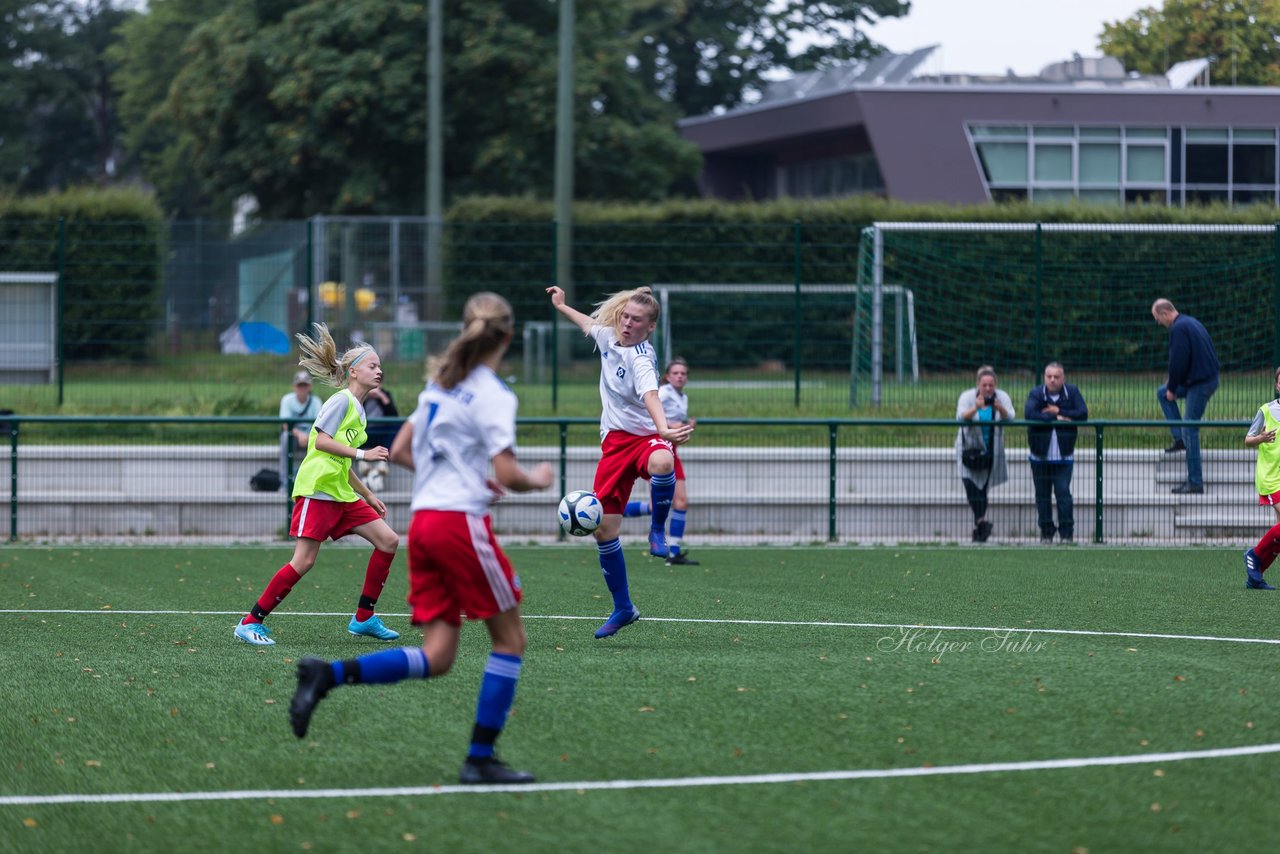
(1275,294)
(564,466)
(1097,486)
(555,324)
(833,428)
(62,323)
(796,319)
(13,480)
(1039,365)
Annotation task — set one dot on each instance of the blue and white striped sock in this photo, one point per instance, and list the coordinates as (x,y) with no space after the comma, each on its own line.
(662,488)
(497,693)
(614,567)
(383,667)
(677,531)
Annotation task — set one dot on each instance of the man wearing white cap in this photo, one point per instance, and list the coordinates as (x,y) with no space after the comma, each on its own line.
(299,403)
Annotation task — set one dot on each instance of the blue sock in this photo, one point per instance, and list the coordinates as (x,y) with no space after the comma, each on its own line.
(677,531)
(497,692)
(383,667)
(636,508)
(662,488)
(614,567)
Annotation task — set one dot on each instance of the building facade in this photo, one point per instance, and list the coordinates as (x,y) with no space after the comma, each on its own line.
(1082,130)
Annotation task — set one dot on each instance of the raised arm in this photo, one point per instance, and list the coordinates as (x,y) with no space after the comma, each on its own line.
(582,321)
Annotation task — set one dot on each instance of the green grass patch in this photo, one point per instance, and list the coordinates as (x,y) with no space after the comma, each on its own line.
(737,669)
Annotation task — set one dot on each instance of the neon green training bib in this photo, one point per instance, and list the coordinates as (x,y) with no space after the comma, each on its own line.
(321,472)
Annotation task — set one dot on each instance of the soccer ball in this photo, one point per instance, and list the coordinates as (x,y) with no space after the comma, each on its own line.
(580,513)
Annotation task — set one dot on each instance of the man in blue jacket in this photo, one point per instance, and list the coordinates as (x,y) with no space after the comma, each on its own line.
(1051,445)
(1193,374)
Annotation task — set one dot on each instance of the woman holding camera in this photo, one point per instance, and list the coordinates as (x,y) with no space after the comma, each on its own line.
(980,445)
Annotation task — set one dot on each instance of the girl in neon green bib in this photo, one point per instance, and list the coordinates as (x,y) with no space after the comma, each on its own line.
(330,500)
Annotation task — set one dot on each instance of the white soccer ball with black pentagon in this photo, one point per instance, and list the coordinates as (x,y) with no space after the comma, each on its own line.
(580,513)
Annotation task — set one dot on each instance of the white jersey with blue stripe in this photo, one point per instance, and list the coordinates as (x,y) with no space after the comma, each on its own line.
(626,374)
(675,404)
(456,432)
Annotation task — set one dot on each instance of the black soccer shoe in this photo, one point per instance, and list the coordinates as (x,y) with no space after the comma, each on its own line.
(681,559)
(315,678)
(490,770)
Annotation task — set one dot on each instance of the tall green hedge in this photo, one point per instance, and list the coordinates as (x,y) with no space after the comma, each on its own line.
(508,245)
(108,249)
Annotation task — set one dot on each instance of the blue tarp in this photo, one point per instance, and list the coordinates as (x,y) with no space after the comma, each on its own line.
(250,337)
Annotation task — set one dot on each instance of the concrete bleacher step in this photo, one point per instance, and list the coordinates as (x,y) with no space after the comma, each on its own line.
(747,494)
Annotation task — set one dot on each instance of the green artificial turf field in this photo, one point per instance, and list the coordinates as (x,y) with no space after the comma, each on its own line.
(836,699)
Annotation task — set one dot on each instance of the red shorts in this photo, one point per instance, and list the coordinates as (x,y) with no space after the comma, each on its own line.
(316,519)
(457,568)
(679,468)
(1272,499)
(623,458)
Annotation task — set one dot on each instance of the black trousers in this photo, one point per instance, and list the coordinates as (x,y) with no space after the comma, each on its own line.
(977,497)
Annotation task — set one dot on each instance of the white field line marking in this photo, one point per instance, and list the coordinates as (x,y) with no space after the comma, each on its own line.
(659,783)
(798,623)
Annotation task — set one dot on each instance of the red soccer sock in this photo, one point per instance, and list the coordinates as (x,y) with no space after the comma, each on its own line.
(277,588)
(374,579)
(1268,547)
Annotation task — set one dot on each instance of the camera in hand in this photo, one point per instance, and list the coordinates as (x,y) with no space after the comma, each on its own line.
(991,400)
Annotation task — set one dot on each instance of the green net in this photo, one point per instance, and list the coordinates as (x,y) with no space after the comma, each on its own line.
(935,301)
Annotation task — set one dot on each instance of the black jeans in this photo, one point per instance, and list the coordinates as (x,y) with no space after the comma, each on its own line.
(977,497)
(1055,477)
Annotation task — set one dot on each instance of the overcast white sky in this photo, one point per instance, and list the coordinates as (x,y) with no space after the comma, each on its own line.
(992,36)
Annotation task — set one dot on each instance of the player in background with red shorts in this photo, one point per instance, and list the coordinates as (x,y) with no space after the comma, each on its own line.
(465,420)
(330,501)
(635,439)
(1262,435)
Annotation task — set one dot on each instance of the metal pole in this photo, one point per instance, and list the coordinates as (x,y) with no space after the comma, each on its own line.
(1035,369)
(795,263)
(62,273)
(13,481)
(833,428)
(433,298)
(555,325)
(312,291)
(877,318)
(1097,487)
(564,465)
(1275,295)
(564,153)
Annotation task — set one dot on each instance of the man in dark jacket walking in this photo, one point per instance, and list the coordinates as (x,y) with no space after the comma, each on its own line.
(1051,445)
(1193,374)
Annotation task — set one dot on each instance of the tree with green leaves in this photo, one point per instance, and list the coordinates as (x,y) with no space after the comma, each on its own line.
(58,123)
(316,108)
(1239,36)
(148,56)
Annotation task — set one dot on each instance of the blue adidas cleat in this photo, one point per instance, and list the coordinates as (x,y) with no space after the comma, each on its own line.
(254,633)
(1252,574)
(372,628)
(617,620)
(657,543)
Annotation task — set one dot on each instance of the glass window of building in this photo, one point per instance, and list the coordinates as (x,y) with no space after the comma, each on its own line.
(1107,164)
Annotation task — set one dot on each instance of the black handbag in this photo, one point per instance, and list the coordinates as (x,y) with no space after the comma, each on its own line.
(976,459)
(266,480)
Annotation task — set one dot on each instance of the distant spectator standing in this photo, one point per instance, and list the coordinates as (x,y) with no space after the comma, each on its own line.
(1193,374)
(379,404)
(1050,447)
(980,458)
(299,403)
